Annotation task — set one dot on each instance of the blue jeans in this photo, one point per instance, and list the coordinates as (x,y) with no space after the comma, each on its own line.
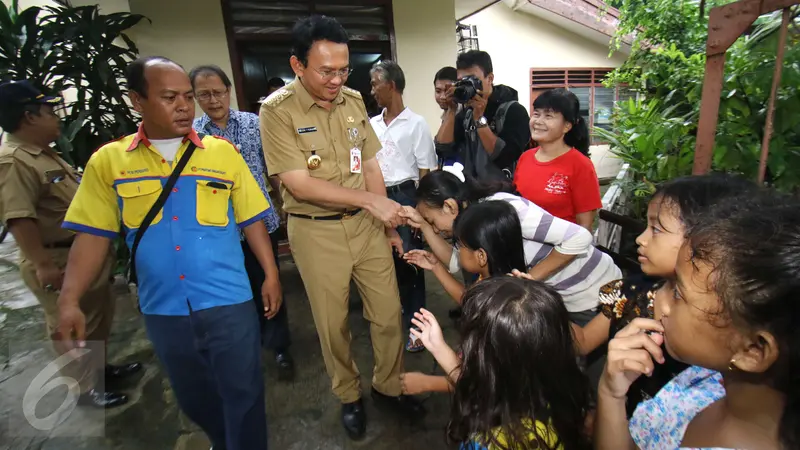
(213,360)
(410,279)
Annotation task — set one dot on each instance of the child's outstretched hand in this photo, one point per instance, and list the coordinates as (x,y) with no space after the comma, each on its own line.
(414,383)
(631,354)
(523,275)
(428,331)
(421,258)
(412,217)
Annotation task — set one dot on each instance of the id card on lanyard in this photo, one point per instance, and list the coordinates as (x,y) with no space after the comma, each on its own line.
(355,151)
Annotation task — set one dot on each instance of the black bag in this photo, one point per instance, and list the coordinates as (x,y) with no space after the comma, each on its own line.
(477,162)
(162,199)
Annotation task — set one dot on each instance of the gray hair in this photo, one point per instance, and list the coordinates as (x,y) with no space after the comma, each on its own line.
(390,72)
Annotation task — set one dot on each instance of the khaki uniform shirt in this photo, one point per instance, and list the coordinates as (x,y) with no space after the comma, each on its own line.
(36,184)
(294,128)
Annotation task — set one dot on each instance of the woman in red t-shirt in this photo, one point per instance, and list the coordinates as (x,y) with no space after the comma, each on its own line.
(558,175)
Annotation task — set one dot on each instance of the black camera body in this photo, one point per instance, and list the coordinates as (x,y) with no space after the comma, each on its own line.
(466,88)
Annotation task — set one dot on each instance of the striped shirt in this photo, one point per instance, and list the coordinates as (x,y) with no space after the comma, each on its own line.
(580,281)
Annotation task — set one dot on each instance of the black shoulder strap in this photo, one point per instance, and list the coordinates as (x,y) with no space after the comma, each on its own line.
(162,199)
(500,116)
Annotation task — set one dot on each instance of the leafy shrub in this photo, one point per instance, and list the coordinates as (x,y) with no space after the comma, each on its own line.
(59,48)
(656,134)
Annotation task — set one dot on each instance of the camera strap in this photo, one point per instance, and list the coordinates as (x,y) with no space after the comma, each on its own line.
(476,159)
(500,116)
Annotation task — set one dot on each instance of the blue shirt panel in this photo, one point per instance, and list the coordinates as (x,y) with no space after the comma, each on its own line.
(182,264)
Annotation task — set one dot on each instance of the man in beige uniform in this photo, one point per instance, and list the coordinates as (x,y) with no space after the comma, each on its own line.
(36,188)
(318,140)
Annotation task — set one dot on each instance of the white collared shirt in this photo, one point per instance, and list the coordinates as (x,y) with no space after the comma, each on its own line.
(407,147)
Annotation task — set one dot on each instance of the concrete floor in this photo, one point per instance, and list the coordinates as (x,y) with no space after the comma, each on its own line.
(301,415)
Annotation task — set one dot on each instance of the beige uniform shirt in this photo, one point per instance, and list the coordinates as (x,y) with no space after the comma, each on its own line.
(294,128)
(36,183)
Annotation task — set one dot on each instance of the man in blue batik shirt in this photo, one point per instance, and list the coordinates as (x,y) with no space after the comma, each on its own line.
(212,89)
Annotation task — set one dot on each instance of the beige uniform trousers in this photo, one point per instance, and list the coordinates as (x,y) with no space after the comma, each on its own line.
(328,253)
(98,307)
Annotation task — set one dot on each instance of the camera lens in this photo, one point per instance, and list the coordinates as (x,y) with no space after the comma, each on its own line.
(465,89)
(462,94)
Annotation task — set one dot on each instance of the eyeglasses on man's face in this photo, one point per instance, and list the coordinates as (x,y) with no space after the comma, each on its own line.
(217,94)
(328,74)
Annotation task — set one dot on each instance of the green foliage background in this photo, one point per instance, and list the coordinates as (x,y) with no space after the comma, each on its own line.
(59,48)
(656,133)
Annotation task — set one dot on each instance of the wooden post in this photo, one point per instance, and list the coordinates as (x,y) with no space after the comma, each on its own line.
(726,24)
(776,82)
(709,113)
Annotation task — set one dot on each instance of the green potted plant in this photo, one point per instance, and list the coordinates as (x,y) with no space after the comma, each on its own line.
(73,50)
(80,52)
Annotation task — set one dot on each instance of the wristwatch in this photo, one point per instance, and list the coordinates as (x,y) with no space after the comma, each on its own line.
(482,122)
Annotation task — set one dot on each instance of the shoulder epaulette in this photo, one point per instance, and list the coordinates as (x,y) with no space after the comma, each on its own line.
(9,153)
(351,92)
(277,97)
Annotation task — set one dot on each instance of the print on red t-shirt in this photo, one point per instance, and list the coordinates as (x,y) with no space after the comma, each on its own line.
(564,187)
(558,184)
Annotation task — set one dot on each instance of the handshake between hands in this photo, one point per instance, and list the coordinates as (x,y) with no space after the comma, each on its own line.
(393,214)
(396,215)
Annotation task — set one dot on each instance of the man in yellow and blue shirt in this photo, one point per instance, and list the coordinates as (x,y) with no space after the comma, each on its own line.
(193,289)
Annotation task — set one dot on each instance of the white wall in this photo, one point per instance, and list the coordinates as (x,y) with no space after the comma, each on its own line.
(106,6)
(189,32)
(426,42)
(519,42)
(24,4)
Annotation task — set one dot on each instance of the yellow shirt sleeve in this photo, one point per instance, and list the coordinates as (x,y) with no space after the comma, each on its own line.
(249,203)
(278,139)
(95,210)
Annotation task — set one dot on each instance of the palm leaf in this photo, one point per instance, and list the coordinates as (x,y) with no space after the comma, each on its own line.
(62,47)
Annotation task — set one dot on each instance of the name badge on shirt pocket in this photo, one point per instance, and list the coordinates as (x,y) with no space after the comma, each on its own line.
(306,130)
(55,176)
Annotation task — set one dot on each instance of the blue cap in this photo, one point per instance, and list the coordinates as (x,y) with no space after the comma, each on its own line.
(24,93)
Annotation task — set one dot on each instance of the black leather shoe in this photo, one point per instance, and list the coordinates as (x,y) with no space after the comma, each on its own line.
(403,405)
(354,419)
(116,373)
(100,399)
(285,366)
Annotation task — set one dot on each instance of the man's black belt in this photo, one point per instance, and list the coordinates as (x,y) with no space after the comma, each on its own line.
(402,186)
(67,243)
(333,217)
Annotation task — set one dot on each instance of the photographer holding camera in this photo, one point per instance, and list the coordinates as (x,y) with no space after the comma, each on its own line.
(491,131)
